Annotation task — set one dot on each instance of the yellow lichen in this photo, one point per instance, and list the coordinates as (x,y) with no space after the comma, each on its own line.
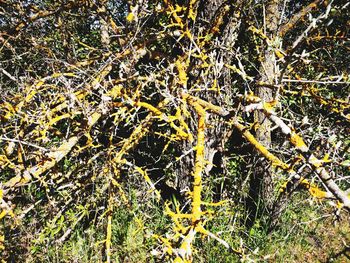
(182,72)
(130,17)
(298,142)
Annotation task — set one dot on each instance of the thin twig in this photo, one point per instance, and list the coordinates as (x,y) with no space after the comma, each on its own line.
(312,25)
(314,81)
(25,143)
(8,74)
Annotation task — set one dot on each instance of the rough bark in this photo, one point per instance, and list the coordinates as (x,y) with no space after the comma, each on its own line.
(105,38)
(262,181)
(222,21)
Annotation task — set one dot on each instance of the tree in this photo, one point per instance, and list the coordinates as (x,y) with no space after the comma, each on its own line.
(102,96)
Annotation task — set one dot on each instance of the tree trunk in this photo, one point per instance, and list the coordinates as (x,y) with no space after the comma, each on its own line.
(223,26)
(262,187)
(105,38)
